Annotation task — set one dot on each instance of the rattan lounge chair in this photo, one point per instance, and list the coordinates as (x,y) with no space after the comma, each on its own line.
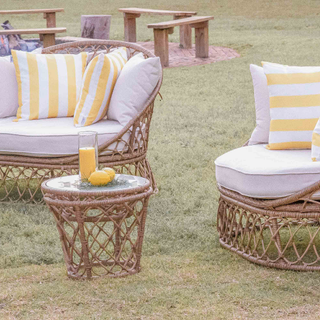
(21,174)
(269,207)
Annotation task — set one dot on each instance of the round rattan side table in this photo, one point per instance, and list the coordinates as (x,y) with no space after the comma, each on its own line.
(101,228)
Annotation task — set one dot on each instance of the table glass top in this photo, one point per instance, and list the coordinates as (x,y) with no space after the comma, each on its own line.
(73,183)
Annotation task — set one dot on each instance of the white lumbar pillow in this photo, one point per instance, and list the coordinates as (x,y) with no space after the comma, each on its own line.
(262,103)
(8,89)
(8,86)
(136,82)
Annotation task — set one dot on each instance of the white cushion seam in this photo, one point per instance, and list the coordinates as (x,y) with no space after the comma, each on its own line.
(267,174)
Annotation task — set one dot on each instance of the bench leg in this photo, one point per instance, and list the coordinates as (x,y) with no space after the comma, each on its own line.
(161,46)
(186,37)
(185,34)
(202,40)
(51,19)
(130,32)
(49,40)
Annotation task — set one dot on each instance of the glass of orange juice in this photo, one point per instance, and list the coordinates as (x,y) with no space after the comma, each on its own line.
(88,153)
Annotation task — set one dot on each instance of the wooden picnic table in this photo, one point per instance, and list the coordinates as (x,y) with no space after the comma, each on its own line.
(131,14)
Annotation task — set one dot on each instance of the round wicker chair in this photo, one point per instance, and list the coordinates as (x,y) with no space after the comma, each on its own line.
(282,233)
(21,176)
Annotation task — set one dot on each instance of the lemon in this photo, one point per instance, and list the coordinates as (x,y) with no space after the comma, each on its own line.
(110,171)
(99,178)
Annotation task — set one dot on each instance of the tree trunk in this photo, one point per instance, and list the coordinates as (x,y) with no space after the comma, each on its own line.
(95,27)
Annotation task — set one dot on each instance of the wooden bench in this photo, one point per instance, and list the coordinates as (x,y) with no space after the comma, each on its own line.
(163,29)
(46,35)
(48,14)
(130,15)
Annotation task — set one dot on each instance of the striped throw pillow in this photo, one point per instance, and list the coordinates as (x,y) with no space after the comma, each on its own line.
(48,84)
(97,86)
(294,94)
(315,149)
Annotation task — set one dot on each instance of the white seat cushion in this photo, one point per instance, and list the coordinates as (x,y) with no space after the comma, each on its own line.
(52,137)
(257,172)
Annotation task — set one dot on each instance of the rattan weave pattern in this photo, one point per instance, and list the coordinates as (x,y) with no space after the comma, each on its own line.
(21,176)
(282,233)
(102,232)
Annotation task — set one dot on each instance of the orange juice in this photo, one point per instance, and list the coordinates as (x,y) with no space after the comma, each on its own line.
(87,162)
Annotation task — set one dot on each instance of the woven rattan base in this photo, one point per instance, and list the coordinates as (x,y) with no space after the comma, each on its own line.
(101,232)
(281,233)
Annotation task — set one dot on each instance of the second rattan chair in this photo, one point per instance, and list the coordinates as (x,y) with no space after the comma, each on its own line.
(269,207)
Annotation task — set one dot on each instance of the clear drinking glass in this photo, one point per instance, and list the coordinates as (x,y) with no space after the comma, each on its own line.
(88,153)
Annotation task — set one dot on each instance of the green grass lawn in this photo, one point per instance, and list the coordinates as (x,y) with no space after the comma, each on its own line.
(207,110)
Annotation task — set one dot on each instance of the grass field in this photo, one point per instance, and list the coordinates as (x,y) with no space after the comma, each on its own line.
(206,111)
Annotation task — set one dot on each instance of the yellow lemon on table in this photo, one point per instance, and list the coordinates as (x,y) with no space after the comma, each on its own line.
(99,178)
(110,171)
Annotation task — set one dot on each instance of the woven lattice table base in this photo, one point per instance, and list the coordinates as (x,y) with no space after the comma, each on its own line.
(275,233)
(101,233)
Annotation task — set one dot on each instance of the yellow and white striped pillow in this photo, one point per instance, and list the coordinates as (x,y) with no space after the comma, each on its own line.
(315,149)
(294,94)
(97,86)
(48,84)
